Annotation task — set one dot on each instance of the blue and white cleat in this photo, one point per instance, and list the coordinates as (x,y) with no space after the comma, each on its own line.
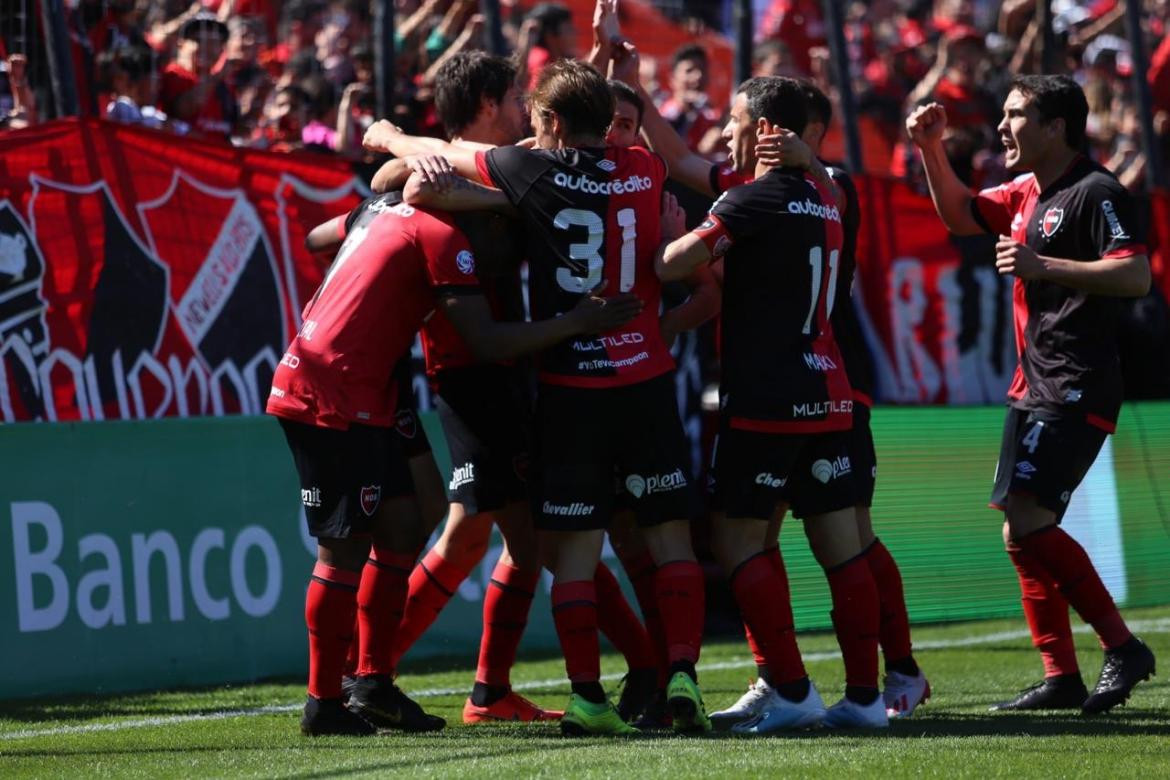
(847,714)
(780,714)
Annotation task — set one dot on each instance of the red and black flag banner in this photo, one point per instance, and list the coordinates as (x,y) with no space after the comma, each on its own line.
(147,275)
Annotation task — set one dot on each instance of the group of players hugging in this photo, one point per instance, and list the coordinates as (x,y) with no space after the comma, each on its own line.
(601,449)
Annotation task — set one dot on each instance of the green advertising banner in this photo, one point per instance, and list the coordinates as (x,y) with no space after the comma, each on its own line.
(167,553)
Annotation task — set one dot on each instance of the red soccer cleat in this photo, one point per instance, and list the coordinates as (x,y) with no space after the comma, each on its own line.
(512,708)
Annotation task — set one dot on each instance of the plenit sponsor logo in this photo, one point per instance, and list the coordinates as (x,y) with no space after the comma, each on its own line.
(276,392)
(575,509)
(463,475)
(819,362)
(655,483)
(1115,227)
(812,209)
(822,408)
(827,470)
(290,360)
(617,340)
(582,183)
(768,480)
(311,498)
(307,330)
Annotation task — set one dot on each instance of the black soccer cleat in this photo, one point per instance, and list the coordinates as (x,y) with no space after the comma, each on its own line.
(1061,692)
(324,717)
(377,699)
(654,717)
(347,683)
(638,689)
(1125,667)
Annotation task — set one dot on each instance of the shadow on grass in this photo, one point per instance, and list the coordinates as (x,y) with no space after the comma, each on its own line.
(61,710)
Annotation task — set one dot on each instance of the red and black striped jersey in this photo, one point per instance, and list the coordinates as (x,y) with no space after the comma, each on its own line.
(1066,339)
(781,240)
(363,318)
(589,215)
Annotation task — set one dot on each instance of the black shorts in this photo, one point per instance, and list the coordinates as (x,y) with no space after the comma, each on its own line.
(754,472)
(406,422)
(585,435)
(862,456)
(1044,455)
(486,421)
(346,475)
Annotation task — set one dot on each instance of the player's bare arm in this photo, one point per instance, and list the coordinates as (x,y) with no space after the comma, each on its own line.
(1126,277)
(685,166)
(492,341)
(952,198)
(384,137)
(461,195)
(392,175)
(704,303)
(326,237)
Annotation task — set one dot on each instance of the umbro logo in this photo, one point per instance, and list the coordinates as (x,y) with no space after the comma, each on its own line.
(1025,467)
(609,166)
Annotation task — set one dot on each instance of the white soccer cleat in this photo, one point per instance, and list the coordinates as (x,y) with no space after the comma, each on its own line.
(751,704)
(903,693)
(847,714)
(780,714)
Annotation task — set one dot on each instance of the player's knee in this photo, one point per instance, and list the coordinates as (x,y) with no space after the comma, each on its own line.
(1024,516)
(670,541)
(348,554)
(466,537)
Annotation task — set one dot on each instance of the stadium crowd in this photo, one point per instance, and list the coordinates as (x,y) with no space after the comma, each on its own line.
(300,74)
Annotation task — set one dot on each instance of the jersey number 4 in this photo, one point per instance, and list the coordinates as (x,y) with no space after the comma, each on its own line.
(589,252)
(816,259)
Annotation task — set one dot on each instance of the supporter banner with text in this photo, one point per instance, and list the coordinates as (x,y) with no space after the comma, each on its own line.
(147,275)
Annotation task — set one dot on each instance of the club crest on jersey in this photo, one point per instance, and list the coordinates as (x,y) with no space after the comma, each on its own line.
(1051,222)
(465,262)
(370,496)
(406,424)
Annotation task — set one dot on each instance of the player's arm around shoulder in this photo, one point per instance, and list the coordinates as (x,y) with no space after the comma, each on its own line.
(454,194)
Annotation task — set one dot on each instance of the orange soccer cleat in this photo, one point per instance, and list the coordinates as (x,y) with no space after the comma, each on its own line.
(512,708)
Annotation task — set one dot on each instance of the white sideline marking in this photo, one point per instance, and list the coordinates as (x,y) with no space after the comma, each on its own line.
(1157,626)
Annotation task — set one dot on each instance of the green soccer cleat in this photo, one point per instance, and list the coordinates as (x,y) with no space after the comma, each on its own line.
(685,704)
(584,718)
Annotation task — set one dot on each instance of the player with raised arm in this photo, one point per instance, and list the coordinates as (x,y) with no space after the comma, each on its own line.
(786,412)
(904,686)
(1067,233)
(335,395)
(484,435)
(605,404)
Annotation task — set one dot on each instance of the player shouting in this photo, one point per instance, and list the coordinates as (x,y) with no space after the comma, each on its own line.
(1067,234)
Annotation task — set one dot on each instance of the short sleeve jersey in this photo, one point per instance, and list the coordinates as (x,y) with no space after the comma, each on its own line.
(781,240)
(497,242)
(1066,339)
(383,284)
(589,215)
(846,328)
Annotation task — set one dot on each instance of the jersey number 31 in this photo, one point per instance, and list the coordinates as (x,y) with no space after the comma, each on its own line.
(588,252)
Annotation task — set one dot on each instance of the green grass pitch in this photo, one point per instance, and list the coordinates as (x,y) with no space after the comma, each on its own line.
(251,731)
